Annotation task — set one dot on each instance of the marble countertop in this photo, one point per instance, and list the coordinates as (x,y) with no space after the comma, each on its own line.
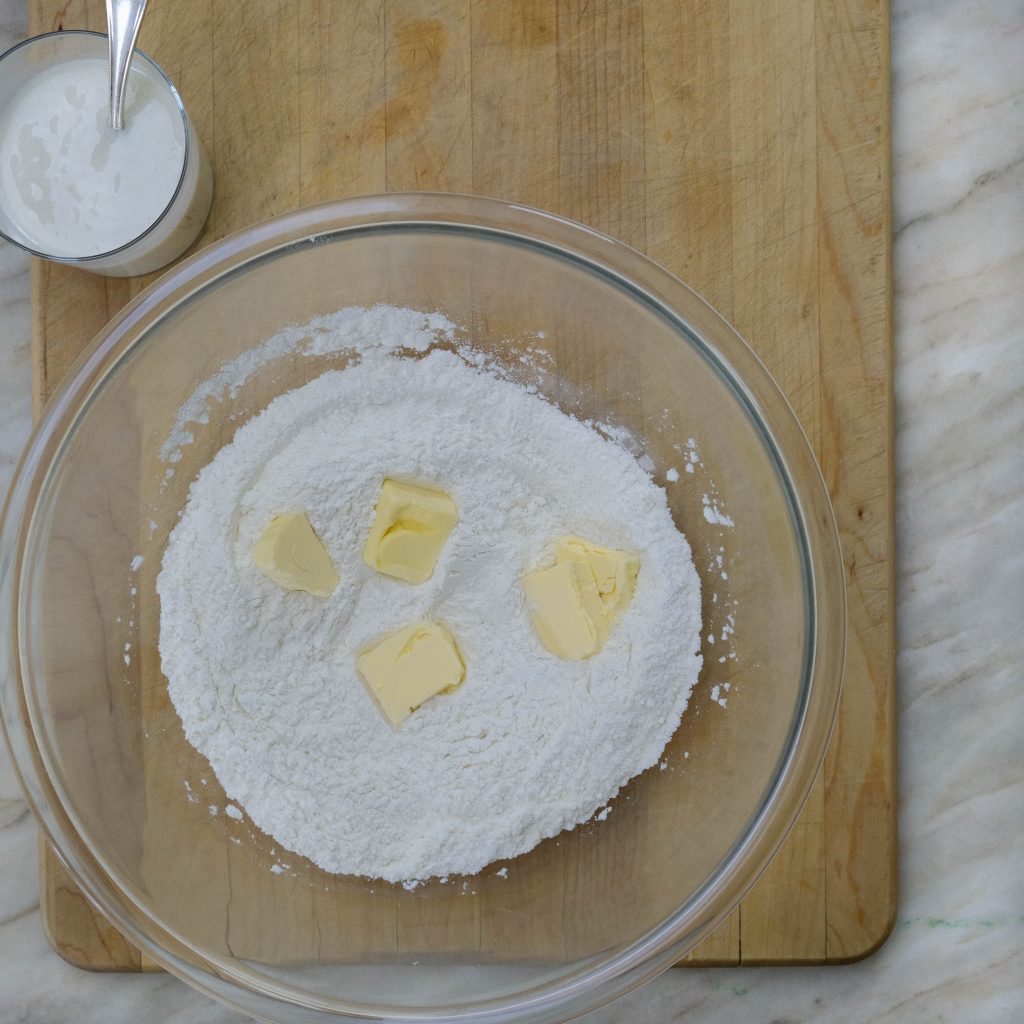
(957,951)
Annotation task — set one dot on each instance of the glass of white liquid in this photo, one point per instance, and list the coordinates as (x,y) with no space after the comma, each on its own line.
(74,190)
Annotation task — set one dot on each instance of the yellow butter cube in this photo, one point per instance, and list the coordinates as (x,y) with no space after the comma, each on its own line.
(404,669)
(291,554)
(409,531)
(615,572)
(566,609)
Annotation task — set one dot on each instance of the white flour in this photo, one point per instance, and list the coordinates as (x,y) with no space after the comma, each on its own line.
(264,680)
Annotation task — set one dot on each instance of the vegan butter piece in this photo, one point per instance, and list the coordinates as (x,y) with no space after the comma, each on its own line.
(615,572)
(293,556)
(574,603)
(566,609)
(409,531)
(404,669)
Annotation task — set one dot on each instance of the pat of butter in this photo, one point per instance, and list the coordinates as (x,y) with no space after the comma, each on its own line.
(574,602)
(404,669)
(615,572)
(410,529)
(566,609)
(293,556)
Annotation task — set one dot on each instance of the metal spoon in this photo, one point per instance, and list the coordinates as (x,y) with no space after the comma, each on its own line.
(123,20)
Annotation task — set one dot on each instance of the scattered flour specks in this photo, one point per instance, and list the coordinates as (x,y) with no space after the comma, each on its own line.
(714,515)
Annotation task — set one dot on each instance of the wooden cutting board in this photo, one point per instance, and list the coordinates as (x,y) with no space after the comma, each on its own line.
(744,145)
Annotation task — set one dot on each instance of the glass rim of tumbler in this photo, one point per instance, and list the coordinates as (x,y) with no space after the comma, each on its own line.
(186,152)
(585,984)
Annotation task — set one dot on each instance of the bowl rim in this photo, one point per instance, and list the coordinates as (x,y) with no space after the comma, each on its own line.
(581,989)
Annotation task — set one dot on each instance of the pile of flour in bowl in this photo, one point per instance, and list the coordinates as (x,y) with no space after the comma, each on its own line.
(264,679)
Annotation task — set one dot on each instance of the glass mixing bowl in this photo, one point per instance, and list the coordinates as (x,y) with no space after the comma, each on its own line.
(585,916)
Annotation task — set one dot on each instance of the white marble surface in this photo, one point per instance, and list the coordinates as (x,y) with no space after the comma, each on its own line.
(957,953)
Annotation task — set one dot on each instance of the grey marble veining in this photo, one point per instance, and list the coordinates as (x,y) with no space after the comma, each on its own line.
(957,952)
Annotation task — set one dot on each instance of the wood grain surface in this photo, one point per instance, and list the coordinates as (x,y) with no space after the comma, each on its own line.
(742,145)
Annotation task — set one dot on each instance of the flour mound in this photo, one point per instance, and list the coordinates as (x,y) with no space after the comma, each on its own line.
(265,682)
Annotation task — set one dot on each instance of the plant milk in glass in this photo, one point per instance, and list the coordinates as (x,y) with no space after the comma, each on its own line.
(72,188)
